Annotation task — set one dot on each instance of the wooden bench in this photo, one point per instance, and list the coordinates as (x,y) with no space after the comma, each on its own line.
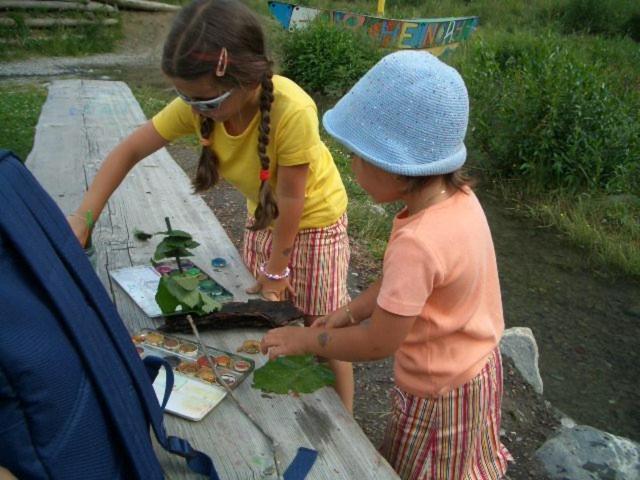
(81,121)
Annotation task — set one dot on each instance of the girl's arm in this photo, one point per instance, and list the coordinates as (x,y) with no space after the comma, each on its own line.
(290,197)
(372,340)
(359,309)
(142,142)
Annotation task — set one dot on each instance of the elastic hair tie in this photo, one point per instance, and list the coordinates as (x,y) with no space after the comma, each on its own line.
(264,175)
(203,56)
(205,142)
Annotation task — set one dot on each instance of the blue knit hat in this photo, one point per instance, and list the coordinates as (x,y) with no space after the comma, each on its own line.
(407,115)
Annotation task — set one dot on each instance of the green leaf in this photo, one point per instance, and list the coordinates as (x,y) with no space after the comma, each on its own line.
(188,282)
(172,247)
(190,298)
(300,374)
(209,304)
(165,300)
(177,234)
(140,235)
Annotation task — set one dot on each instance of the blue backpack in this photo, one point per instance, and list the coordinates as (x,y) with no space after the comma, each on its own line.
(76,401)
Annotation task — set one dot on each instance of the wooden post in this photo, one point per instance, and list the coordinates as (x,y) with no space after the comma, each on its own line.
(380,7)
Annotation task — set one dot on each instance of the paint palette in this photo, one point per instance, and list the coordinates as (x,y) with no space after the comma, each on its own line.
(197,389)
(141,283)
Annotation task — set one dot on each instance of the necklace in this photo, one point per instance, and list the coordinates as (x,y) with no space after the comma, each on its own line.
(432,200)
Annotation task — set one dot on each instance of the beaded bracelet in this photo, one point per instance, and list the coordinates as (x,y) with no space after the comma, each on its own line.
(274,276)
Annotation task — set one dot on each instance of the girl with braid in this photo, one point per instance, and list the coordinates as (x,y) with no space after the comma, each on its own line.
(258,131)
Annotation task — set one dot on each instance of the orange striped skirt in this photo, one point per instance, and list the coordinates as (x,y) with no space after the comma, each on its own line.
(319,264)
(453,437)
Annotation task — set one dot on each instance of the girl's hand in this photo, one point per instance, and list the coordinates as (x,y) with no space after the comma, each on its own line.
(79,226)
(285,341)
(272,290)
(338,319)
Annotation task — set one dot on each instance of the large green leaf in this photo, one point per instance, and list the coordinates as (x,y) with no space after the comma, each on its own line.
(188,282)
(165,300)
(300,374)
(179,290)
(167,250)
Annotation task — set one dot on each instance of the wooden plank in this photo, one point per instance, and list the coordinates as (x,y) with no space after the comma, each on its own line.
(56,22)
(144,5)
(80,123)
(55,5)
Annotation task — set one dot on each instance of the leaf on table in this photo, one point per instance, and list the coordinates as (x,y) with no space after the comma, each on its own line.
(140,235)
(177,233)
(165,300)
(297,374)
(209,305)
(188,282)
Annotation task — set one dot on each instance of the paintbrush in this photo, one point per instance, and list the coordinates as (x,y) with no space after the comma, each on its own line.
(275,446)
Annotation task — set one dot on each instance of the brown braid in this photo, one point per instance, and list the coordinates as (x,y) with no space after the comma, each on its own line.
(198,34)
(267,209)
(207,172)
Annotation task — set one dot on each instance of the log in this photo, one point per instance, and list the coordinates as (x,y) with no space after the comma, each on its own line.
(55,22)
(54,5)
(144,5)
(251,314)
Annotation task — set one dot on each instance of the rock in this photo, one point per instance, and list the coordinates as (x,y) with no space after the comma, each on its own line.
(519,344)
(586,453)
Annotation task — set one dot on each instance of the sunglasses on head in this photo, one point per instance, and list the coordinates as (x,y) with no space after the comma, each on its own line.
(205,105)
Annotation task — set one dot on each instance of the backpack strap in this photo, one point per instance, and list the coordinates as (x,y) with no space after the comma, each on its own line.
(197,461)
(40,233)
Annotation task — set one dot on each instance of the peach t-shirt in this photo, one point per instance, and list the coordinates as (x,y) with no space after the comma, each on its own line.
(441,266)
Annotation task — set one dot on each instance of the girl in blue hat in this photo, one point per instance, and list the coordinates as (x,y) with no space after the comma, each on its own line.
(437,306)
(258,131)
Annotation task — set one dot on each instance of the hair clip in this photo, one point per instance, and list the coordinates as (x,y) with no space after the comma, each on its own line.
(205,142)
(222,63)
(264,175)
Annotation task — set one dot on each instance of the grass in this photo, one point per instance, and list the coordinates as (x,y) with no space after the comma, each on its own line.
(21,42)
(19,109)
(607,226)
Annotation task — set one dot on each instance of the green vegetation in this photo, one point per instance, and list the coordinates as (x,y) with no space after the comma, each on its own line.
(21,41)
(555,127)
(326,58)
(19,110)
(555,95)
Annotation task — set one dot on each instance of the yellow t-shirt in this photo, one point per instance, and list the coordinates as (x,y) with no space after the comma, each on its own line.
(294,140)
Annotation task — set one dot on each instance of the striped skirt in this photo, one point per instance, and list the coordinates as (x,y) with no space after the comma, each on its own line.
(319,264)
(452,437)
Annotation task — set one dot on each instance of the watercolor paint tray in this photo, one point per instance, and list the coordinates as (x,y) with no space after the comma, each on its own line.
(141,283)
(196,390)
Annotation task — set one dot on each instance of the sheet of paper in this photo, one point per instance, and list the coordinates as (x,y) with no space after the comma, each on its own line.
(141,284)
(189,399)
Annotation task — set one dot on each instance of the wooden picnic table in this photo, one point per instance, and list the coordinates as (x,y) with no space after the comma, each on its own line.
(81,121)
